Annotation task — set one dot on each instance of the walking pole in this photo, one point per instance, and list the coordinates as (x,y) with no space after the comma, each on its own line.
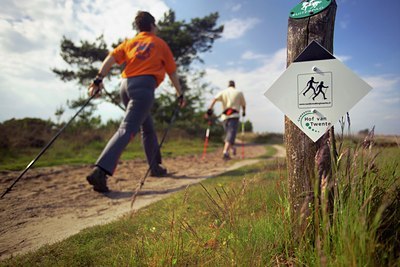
(207,116)
(48,145)
(141,183)
(302,90)
(206,140)
(242,137)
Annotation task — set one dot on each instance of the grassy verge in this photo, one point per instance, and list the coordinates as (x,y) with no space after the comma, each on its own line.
(242,218)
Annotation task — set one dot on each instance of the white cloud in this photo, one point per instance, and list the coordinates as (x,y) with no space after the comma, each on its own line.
(344,21)
(380,107)
(392,101)
(236,28)
(343,58)
(383,82)
(236,7)
(30,35)
(249,55)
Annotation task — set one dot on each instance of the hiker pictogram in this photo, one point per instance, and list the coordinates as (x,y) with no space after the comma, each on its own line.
(320,90)
(310,4)
(310,85)
(314,90)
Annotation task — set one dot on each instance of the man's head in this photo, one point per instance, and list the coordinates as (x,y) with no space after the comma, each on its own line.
(231,84)
(144,21)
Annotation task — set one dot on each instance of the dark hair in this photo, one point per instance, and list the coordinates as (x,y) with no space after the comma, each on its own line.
(232,83)
(143,21)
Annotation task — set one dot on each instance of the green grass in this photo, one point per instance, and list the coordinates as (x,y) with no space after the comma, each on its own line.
(242,218)
(226,220)
(67,152)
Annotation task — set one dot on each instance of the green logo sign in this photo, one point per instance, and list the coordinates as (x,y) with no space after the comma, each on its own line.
(313,121)
(308,8)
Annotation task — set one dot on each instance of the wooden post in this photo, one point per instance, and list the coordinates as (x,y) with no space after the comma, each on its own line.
(302,153)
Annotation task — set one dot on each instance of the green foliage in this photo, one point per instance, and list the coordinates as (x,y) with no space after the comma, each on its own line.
(58,113)
(187,40)
(369,192)
(23,133)
(248,126)
(82,59)
(267,138)
(354,221)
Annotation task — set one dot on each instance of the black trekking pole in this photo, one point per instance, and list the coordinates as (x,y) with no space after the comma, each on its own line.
(141,183)
(47,146)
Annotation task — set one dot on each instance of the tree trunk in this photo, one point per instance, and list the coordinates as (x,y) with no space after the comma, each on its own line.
(301,151)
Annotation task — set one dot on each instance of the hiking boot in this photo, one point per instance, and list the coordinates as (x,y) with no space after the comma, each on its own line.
(98,178)
(158,171)
(233,151)
(226,157)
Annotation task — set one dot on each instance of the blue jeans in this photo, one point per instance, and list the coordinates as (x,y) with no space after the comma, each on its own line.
(137,94)
(230,127)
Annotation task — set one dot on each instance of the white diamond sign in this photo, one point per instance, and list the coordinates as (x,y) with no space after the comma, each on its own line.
(314,94)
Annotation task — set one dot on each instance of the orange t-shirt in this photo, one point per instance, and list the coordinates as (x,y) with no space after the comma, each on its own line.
(145,54)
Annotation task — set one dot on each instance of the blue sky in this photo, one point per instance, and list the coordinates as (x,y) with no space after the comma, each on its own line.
(252,52)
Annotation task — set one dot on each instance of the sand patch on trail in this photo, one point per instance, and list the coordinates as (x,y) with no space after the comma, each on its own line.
(50,204)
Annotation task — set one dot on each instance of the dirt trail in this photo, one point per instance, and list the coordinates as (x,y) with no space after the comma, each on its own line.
(50,204)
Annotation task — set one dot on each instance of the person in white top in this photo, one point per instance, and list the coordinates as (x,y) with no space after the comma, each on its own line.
(232,100)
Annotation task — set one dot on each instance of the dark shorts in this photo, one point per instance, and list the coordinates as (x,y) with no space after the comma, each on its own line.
(231,126)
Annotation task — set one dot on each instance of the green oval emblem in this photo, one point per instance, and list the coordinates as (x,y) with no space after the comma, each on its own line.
(309,8)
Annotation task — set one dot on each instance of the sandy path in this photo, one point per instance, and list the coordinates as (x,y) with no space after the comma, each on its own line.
(50,204)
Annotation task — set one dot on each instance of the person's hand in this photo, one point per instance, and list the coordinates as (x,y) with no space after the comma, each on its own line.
(182,100)
(243,114)
(95,87)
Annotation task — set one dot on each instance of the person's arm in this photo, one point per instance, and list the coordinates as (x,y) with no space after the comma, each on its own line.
(243,104)
(175,82)
(213,103)
(210,108)
(105,68)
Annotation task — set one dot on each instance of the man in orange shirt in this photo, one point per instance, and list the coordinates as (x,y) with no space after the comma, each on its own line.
(147,58)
